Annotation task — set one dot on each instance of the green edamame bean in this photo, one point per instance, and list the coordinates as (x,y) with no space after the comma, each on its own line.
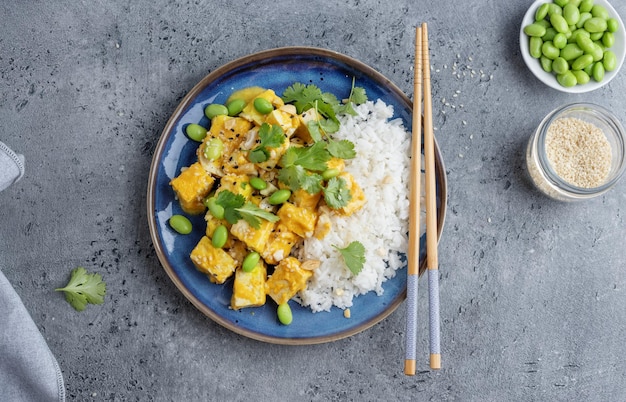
(554,9)
(595,24)
(595,36)
(608,39)
(257,183)
(543,23)
(180,224)
(583,18)
(220,236)
(585,6)
(599,12)
(597,53)
(534,47)
(609,61)
(588,70)
(215,109)
(581,77)
(549,50)
(235,106)
(214,208)
(579,31)
(560,65)
(571,51)
(571,13)
(250,261)
(575,2)
(549,35)
(559,23)
(196,132)
(585,43)
(332,172)
(612,25)
(263,106)
(561,3)
(567,79)
(542,12)
(598,71)
(279,197)
(284,314)
(582,62)
(560,40)
(546,64)
(213,149)
(535,30)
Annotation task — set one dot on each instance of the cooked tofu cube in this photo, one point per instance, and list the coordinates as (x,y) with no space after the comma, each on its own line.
(236,184)
(302,130)
(215,262)
(279,245)
(323,226)
(336,163)
(287,280)
(251,114)
(299,220)
(249,287)
(230,131)
(255,239)
(285,120)
(191,186)
(303,199)
(358,197)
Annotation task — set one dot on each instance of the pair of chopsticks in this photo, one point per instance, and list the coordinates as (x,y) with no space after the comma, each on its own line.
(422,78)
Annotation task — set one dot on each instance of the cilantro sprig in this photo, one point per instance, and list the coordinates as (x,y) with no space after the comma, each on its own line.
(336,193)
(270,137)
(83,288)
(354,256)
(236,208)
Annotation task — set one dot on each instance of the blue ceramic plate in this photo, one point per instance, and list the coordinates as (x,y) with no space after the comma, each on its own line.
(276,69)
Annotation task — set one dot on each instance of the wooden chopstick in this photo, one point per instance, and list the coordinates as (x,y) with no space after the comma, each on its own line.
(432,259)
(414,214)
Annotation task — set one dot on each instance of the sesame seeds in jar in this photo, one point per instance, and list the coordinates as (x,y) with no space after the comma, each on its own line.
(577,152)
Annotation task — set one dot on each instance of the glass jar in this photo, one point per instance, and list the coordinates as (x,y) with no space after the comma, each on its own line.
(543,173)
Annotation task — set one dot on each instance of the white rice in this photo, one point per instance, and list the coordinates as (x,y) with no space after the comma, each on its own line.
(381,168)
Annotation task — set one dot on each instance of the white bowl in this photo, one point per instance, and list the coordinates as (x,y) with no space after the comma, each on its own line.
(619,48)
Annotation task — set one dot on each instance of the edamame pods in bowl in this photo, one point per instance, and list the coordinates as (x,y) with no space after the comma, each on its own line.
(573,46)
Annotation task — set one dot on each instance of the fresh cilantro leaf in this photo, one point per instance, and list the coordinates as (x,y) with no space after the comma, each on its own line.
(314,130)
(258,155)
(84,288)
(251,214)
(336,194)
(358,95)
(343,149)
(236,207)
(312,158)
(296,177)
(270,136)
(354,256)
(302,96)
(329,125)
(230,202)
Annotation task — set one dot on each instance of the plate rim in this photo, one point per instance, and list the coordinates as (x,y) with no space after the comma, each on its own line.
(157,156)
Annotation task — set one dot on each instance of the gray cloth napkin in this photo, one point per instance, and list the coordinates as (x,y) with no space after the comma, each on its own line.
(28,370)
(11,166)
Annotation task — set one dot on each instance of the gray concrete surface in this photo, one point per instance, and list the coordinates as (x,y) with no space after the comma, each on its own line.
(533,291)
